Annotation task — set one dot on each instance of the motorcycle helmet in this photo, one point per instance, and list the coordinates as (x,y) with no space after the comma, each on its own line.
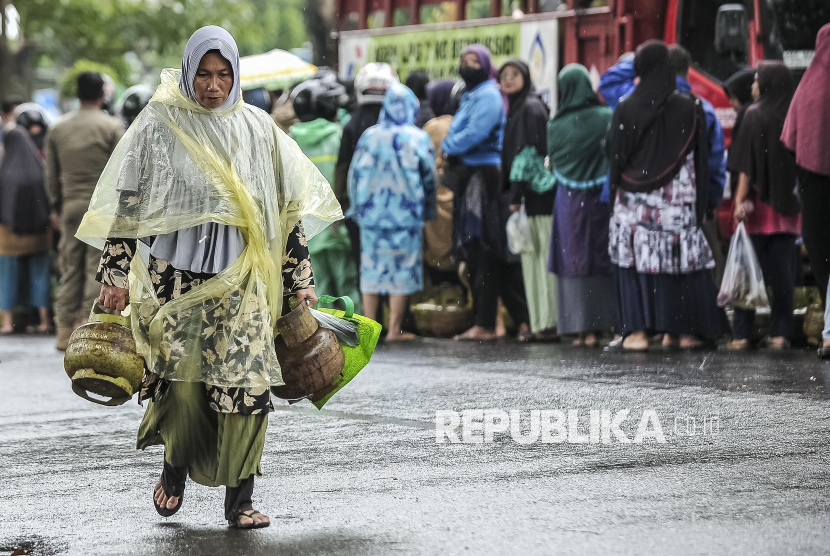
(325,73)
(35,120)
(33,110)
(132,102)
(261,98)
(318,98)
(30,118)
(372,81)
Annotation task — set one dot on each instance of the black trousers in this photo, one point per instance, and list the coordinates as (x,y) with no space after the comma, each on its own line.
(814,191)
(710,231)
(491,278)
(237,499)
(480,212)
(776,253)
(354,237)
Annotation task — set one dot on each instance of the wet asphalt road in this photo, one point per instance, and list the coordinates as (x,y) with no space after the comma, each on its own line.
(366,476)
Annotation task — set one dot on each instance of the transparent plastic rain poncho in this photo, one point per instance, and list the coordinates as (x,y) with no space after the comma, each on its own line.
(180,165)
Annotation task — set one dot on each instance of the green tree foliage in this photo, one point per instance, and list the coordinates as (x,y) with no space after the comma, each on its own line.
(69,80)
(278,24)
(103,31)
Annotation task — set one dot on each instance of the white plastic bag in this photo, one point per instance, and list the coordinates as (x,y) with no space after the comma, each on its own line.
(345,331)
(519,238)
(743,282)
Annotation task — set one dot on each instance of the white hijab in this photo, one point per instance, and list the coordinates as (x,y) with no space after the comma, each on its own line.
(206,39)
(212,247)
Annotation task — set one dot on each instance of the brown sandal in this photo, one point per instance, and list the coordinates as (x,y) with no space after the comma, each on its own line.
(737,345)
(775,346)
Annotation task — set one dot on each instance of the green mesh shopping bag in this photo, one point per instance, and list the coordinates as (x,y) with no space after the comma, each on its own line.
(368,331)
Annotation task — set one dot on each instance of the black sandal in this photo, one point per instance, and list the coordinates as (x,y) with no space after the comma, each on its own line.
(234,523)
(166,512)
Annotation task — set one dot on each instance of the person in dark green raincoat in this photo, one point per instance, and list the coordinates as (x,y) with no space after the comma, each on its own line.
(579,246)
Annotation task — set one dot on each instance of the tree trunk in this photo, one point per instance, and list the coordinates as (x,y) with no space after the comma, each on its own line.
(24,68)
(319,21)
(5,69)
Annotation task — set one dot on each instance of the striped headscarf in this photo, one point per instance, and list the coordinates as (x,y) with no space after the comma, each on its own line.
(206,39)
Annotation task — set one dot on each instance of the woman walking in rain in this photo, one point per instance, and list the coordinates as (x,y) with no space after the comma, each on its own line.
(658,174)
(221,197)
(579,251)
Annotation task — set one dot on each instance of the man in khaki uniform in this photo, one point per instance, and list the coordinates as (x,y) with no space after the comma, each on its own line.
(77,150)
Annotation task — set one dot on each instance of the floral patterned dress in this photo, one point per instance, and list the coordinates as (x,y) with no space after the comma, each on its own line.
(658,232)
(171,283)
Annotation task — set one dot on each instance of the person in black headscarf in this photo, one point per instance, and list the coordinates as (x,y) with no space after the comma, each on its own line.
(658,175)
(766,203)
(523,168)
(739,90)
(24,221)
(439,94)
(417,82)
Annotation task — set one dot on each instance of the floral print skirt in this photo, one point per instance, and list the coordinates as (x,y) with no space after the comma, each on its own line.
(658,232)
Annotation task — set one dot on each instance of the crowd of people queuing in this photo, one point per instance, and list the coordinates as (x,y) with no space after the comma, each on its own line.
(618,191)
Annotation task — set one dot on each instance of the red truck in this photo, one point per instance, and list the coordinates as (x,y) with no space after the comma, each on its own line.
(721,35)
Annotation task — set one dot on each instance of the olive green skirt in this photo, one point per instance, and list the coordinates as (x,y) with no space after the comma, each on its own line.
(217,448)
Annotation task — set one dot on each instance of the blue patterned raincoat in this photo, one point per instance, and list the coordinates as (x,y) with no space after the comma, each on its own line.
(392,186)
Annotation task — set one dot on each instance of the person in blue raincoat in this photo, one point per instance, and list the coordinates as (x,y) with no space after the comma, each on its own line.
(392,188)
(618,81)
